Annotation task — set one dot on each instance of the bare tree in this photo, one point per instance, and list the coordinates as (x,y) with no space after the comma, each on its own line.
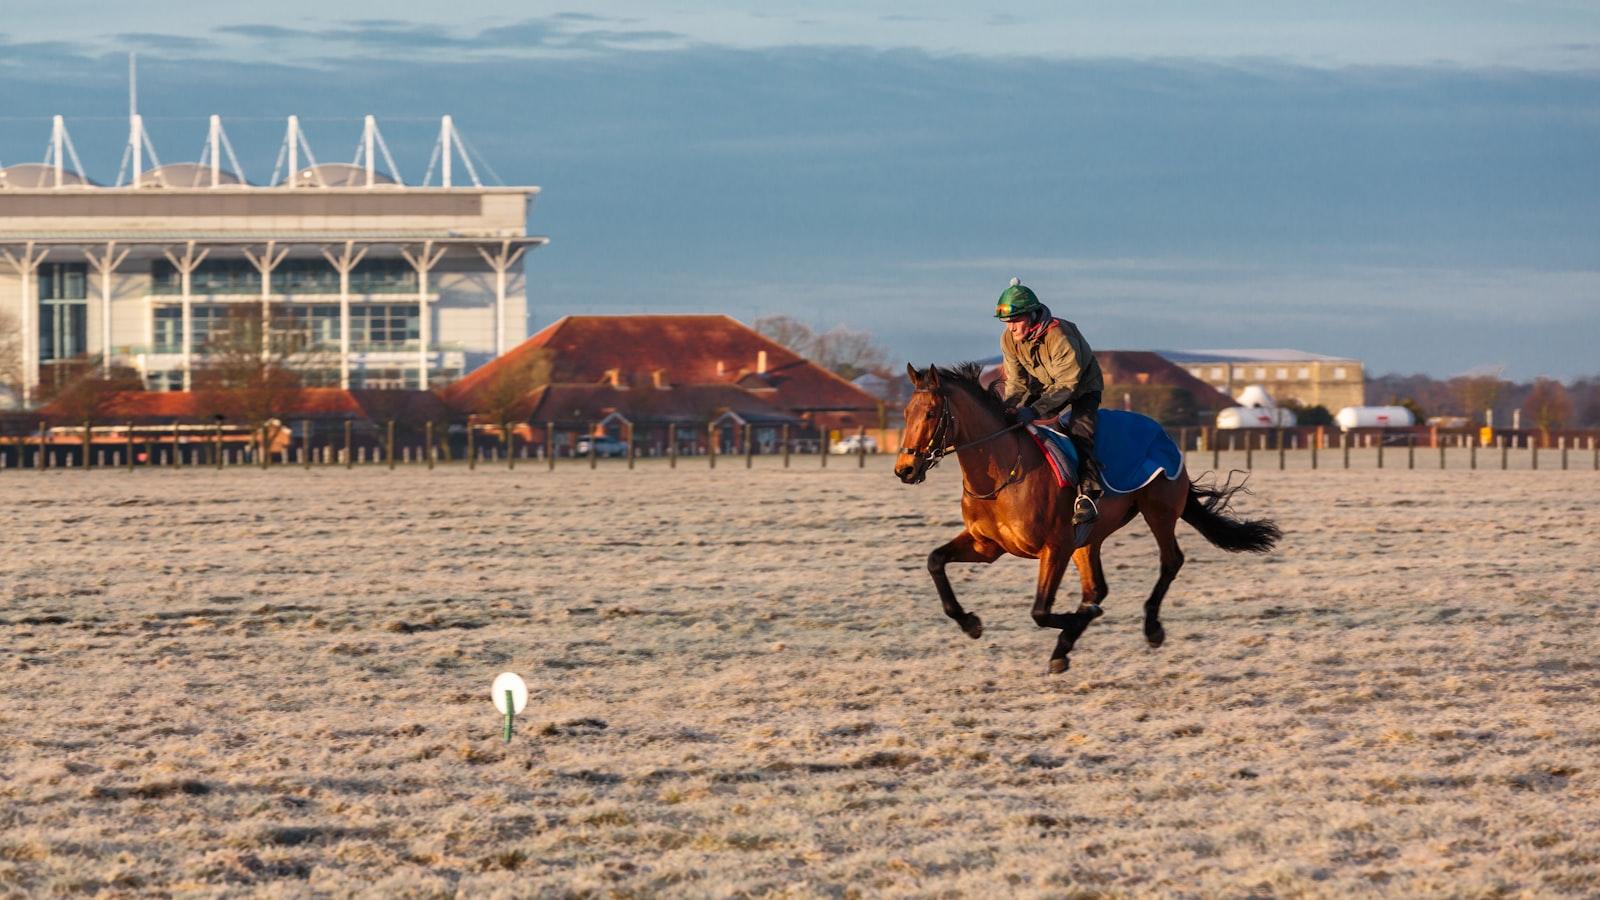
(504,395)
(245,378)
(849,354)
(10,355)
(788,332)
(1549,406)
(1478,393)
(83,392)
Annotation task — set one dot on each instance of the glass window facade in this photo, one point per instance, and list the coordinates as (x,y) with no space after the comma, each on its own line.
(63,311)
(292,276)
(167,330)
(384,326)
(309,326)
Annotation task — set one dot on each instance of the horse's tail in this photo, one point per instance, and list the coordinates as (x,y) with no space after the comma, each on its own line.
(1207,510)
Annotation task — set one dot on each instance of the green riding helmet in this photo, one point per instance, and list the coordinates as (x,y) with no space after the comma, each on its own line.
(1016,300)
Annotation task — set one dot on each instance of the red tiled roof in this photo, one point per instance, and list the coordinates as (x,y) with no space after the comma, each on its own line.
(1146,367)
(688,404)
(311,403)
(686,350)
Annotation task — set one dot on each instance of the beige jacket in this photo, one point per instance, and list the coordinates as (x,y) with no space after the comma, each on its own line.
(1054,370)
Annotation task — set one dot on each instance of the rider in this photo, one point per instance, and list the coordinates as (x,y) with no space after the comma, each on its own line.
(1050,369)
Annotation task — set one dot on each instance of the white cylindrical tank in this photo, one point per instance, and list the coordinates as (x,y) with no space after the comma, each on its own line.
(1255,417)
(1374,417)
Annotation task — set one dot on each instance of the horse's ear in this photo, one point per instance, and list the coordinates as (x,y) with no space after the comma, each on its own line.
(911,372)
(933,375)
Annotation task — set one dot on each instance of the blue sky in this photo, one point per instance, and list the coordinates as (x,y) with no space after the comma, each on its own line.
(1417,189)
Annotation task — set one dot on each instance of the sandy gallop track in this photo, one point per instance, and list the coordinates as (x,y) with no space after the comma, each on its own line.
(246,682)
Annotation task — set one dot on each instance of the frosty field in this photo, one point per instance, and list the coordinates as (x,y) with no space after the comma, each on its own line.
(247,682)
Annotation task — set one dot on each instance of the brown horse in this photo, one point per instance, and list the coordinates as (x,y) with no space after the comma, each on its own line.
(1011,504)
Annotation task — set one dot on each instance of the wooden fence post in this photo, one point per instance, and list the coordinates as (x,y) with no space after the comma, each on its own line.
(128,435)
(594,455)
(1533,447)
(388,441)
(672,445)
(632,445)
(550,445)
(349,450)
(1316,441)
(1563,453)
(749,448)
(822,445)
(472,445)
(1411,451)
(786,446)
(861,447)
(711,443)
(1505,452)
(427,438)
(1249,450)
(511,445)
(1280,449)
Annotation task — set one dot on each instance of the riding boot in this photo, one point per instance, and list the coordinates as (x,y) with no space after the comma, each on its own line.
(1084,509)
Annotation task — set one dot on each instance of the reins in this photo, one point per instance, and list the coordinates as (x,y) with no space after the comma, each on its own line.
(937,450)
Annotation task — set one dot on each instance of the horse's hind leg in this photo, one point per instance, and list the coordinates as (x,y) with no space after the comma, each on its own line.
(1163,522)
(1091,576)
(964,548)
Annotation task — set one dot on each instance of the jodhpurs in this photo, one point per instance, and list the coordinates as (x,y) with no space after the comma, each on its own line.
(1081,429)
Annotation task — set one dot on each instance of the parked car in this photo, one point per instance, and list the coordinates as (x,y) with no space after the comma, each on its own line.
(604,446)
(854,444)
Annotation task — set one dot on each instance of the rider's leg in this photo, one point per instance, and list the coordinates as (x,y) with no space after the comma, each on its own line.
(1084,412)
(1081,429)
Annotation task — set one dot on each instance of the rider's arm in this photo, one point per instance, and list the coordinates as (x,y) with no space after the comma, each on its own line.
(1065,373)
(1016,381)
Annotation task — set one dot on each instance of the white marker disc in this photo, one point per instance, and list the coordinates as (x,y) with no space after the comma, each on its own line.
(509,681)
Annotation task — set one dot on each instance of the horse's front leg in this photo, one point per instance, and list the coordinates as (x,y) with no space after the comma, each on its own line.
(964,548)
(1052,565)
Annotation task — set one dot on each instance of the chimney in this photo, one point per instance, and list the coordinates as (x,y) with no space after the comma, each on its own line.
(761,362)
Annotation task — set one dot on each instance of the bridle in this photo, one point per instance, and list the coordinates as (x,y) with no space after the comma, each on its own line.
(938,448)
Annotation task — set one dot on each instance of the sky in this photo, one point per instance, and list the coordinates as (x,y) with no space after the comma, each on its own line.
(1417,187)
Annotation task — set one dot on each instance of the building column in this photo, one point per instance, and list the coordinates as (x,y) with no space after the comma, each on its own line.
(186,265)
(105,266)
(423,262)
(265,263)
(344,263)
(25,266)
(500,262)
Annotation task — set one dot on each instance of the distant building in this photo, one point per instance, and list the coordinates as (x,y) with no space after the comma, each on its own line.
(384,284)
(657,372)
(1306,379)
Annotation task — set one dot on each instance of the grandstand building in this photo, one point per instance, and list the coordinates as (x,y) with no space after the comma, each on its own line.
(1308,379)
(372,282)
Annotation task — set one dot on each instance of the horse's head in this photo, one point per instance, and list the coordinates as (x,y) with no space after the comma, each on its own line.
(929,424)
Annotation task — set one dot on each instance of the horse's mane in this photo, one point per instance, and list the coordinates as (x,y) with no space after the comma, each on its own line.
(967,376)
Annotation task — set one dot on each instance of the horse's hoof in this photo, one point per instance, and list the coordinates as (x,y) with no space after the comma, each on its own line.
(1155,636)
(973,626)
(1057,666)
(1092,610)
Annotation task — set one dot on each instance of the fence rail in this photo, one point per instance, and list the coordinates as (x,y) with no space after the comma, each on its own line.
(178,445)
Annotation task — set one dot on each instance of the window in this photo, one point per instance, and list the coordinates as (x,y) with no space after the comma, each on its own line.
(384,326)
(63,311)
(1261,373)
(1338,373)
(207,318)
(1303,375)
(380,379)
(306,327)
(164,381)
(292,276)
(1216,373)
(1283,373)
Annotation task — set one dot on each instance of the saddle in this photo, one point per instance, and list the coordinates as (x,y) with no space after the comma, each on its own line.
(1059,452)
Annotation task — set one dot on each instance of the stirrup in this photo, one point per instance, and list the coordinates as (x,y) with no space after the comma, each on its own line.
(1084,510)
